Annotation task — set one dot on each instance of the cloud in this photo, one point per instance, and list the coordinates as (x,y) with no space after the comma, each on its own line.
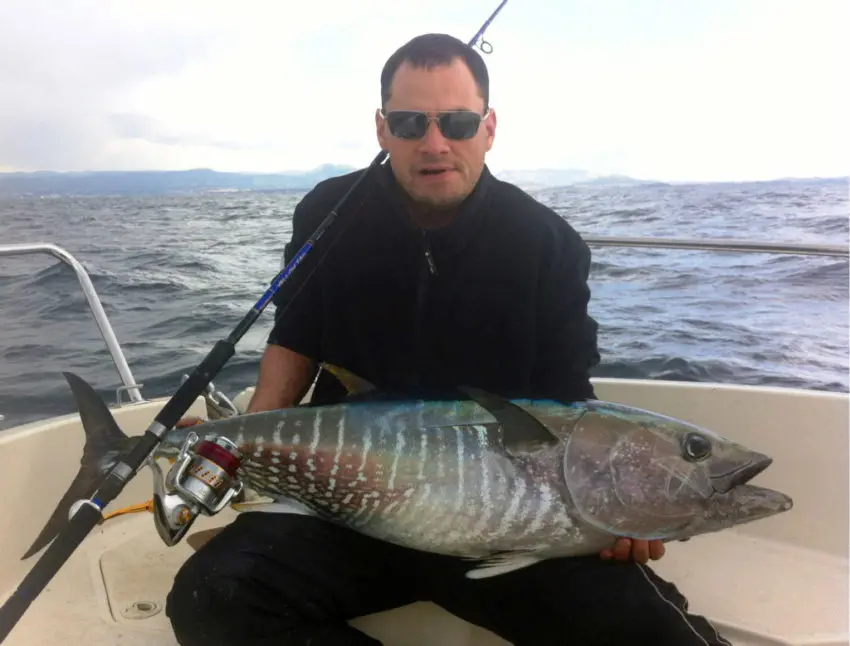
(65,64)
(672,90)
(680,91)
(239,86)
(150,130)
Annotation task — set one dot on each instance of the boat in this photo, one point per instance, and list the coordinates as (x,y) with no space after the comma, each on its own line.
(781,581)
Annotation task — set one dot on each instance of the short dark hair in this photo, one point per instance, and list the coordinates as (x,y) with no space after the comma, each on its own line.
(431,50)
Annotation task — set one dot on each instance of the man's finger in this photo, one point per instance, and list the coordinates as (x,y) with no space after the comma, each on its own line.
(623,549)
(640,551)
(656,550)
(188,421)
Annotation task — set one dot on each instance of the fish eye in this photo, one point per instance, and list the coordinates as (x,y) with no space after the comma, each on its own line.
(696,447)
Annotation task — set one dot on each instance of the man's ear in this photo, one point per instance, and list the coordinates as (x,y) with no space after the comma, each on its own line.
(490,128)
(381,129)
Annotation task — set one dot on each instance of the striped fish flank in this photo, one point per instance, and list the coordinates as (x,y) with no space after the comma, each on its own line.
(433,486)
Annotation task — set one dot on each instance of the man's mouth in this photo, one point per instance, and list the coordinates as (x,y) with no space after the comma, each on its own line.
(433,171)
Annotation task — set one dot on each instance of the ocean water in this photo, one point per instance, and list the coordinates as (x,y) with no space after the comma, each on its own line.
(176,273)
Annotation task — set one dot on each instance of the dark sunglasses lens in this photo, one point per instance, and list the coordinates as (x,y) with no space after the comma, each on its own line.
(459,125)
(453,125)
(407,125)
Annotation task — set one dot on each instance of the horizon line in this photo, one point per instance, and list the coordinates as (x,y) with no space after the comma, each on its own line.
(593,175)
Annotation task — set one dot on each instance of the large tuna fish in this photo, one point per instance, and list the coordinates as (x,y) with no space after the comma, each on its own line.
(506,483)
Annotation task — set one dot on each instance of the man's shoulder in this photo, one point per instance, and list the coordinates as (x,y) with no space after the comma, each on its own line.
(519,209)
(316,203)
(336,185)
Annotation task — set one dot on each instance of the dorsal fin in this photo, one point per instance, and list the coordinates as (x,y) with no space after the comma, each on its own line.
(521,431)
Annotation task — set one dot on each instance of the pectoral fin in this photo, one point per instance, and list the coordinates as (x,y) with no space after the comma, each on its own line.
(521,431)
(250,499)
(501,564)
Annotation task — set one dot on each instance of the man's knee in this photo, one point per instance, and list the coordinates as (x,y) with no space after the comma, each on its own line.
(224,594)
(214,602)
(593,601)
(649,610)
(203,603)
(667,619)
(266,577)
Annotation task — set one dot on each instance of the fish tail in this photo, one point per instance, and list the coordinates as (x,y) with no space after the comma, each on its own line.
(104,442)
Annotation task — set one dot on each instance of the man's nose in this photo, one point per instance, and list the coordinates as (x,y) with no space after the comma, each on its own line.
(433,142)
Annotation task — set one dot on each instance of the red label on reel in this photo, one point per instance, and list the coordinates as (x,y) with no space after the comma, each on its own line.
(218,455)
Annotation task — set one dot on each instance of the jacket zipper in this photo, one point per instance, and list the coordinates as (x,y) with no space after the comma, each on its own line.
(422,292)
(432,268)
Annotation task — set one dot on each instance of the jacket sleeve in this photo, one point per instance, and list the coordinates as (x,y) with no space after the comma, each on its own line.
(567,335)
(298,313)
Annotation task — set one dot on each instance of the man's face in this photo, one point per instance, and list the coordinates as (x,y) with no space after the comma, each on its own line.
(436,171)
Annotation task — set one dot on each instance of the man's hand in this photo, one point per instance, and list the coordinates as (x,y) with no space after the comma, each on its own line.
(183,422)
(640,550)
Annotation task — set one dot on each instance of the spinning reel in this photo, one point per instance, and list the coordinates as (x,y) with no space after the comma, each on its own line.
(202,480)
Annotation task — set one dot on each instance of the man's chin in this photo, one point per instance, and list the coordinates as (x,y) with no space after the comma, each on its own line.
(438,203)
(441,199)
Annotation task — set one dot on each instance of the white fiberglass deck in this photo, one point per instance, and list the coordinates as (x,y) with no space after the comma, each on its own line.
(781,581)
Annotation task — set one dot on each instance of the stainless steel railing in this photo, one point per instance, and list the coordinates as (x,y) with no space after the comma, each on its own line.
(95,306)
(721,244)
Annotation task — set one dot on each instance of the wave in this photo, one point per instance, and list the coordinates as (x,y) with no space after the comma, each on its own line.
(176,273)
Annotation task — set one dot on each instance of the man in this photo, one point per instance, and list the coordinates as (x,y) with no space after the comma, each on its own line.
(436,275)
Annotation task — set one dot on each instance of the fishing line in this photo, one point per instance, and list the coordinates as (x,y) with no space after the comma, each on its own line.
(87,513)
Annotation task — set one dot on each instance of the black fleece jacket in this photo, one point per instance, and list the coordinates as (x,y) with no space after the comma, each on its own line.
(496,300)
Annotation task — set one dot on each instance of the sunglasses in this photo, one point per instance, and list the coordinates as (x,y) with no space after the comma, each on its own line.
(457,125)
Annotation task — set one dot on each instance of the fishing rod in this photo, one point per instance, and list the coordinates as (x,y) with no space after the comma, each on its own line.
(174,521)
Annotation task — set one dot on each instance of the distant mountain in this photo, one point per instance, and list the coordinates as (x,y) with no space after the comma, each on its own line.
(159,182)
(553,177)
(618,180)
(204,180)
(541,178)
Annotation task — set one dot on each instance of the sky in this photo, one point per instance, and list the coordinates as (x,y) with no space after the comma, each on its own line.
(671,90)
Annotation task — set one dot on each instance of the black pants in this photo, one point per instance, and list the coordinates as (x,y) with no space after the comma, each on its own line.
(290,580)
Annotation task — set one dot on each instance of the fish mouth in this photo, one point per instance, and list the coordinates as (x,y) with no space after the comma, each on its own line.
(740,474)
(744,504)
(762,502)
